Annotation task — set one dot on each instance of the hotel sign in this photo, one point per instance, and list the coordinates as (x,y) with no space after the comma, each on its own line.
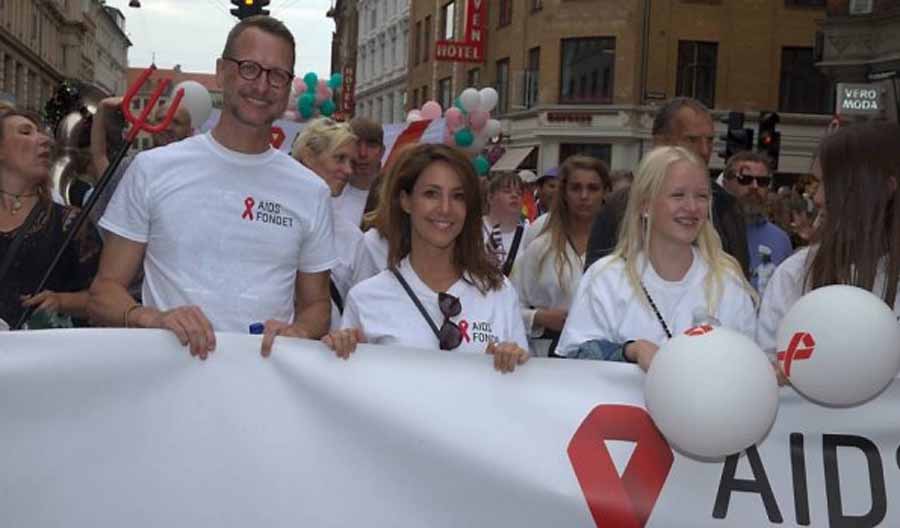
(471,48)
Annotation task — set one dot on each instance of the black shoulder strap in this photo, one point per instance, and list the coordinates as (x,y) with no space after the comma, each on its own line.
(336,296)
(511,256)
(17,241)
(417,302)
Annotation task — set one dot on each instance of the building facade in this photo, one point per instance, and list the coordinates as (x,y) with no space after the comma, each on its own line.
(43,42)
(381,59)
(586,76)
(343,52)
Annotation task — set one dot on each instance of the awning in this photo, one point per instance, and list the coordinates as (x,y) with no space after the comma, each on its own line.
(511,159)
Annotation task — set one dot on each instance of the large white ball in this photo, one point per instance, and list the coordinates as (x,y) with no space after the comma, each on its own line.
(712,392)
(470,99)
(839,345)
(196,100)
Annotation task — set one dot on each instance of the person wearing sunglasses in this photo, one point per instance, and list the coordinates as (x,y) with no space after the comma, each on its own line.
(748,177)
(857,241)
(441,289)
(230,230)
(667,273)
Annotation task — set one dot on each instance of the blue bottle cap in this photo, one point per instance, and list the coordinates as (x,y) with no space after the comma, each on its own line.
(257,328)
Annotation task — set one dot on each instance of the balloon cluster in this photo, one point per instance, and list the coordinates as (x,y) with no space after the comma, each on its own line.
(468,121)
(196,100)
(312,97)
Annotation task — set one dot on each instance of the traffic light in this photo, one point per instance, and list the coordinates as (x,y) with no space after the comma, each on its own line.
(737,138)
(249,8)
(769,141)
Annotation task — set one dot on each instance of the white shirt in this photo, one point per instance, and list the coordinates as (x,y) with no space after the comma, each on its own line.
(506,237)
(538,285)
(786,287)
(534,229)
(373,258)
(351,203)
(351,262)
(605,306)
(223,230)
(382,309)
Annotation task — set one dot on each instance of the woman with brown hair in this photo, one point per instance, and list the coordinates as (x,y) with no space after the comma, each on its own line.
(441,290)
(32,229)
(858,239)
(548,272)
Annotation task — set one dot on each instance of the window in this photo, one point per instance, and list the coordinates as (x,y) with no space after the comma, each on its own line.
(502,86)
(537,5)
(415,99)
(417,47)
(445,92)
(448,21)
(588,69)
(505,13)
(473,78)
(697,71)
(600,151)
(425,94)
(532,76)
(427,50)
(803,89)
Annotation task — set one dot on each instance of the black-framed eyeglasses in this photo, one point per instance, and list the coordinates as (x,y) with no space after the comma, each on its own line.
(250,71)
(449,336)
(761,181)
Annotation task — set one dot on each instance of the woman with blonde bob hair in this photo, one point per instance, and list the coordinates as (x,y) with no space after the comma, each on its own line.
(328,148)
(667,273)
(441,290)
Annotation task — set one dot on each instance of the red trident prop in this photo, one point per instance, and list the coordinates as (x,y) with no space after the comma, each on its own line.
(137,125)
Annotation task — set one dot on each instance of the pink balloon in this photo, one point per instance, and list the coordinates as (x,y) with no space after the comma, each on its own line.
(322,94)
(478,119)
(299,85)
(431,110)
(454,118)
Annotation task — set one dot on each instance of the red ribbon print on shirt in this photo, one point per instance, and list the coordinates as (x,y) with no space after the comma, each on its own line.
(796,352)
(248,212)
(464,330)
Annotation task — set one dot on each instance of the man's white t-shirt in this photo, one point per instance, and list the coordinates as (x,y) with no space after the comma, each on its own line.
(373,259)
(351,203)
(606,307)
(352,262)
(223,230)
(385,313)
(786,287)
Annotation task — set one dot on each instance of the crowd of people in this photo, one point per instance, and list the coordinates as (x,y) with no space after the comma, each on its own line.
(221,232)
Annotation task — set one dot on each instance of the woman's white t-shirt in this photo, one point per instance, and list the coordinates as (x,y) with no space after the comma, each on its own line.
(606,307)
(351,262)
(538,285)
(385,313)
(787,286)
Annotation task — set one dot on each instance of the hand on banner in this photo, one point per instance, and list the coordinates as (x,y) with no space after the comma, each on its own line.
(507,356)
(641,352)
(46,301)
(279,328)
(344,342)
(188,323)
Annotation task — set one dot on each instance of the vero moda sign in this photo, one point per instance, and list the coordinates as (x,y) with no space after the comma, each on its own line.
(122,427)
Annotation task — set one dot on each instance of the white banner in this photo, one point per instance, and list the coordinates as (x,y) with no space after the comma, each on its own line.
(124,428)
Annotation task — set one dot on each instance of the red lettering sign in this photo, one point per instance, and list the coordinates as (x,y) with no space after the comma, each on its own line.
(471,47)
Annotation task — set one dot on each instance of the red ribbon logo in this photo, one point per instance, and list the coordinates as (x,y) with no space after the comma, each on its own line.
(277,137)
(626,501)
(464,329)
(248,211)
(698,330)
(794,352)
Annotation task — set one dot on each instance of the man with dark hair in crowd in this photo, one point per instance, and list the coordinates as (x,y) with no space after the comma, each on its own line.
(370,149)
(687,123)
(748,177)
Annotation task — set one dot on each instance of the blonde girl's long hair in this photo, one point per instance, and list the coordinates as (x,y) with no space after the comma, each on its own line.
(559,219)
(636,230)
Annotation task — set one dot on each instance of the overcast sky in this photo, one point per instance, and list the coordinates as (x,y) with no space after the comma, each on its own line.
(192,32)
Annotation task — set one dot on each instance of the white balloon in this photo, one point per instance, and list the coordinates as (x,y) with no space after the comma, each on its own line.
(470,99)
(413,115)
(492,128)
(489,98)
(839,345)
(711,392)
(196,100)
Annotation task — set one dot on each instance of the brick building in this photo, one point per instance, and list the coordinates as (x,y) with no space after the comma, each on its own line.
(585,76)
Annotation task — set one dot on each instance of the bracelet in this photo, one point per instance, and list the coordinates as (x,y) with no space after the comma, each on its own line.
(128,311)
(624,346)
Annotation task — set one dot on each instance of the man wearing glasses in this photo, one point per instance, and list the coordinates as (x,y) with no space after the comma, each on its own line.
(231,231)
(748,178)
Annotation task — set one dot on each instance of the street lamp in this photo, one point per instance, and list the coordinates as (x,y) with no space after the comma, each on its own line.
(134,3)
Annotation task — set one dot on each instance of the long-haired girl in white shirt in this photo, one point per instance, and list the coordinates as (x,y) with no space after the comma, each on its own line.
(550,268)
(668,271)
(441,289)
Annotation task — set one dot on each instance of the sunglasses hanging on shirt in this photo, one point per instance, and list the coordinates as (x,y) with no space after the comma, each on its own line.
(449,335)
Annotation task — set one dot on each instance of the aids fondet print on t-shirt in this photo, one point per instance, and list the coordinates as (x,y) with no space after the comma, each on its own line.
(267,212)
(475,331)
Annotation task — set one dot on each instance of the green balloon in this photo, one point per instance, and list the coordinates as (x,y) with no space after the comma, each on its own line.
(306,113)
(312,81)
(458,104)
(327,107)
(482,165)
(306,102)
(336,80)
(464,137)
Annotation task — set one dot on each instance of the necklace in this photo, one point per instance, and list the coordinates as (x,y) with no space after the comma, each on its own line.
(17,203)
